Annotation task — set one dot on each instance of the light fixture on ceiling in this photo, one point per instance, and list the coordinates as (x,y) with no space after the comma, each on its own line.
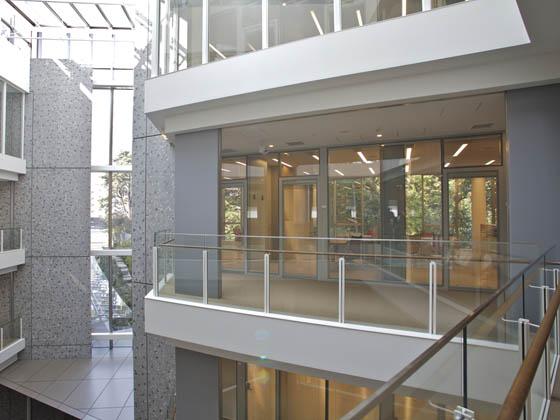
(271,146)
(240,163)
(447,165)
(317,24)
(460,149)
(217,51)
(164,136)
(339,172)
(251,46)
(407,168)
(490,162)
(286,154)
(284,4)
(408,153)
(315,157)
(227,177)
(359,17)
(371,170)
(225,170)
(306,173)
(379,135)
(362,156)
(275,160)
(286,164)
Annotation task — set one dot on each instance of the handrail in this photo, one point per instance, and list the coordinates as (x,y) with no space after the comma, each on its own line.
(350,254)
(397,380)
(517,395)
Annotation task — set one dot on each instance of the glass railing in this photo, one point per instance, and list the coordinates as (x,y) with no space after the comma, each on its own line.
(461,377)
(10,333)
(421,286)
(11,239)
(191,33)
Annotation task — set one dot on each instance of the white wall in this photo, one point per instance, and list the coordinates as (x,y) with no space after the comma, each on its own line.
(14,64)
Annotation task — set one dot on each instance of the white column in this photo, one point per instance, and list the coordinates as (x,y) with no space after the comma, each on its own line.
(22,124)
(3,117)
(426,5)
(204,31)
(264,24)
(337,12)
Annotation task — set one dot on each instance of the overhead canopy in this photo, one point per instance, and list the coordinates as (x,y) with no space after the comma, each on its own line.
(90,14)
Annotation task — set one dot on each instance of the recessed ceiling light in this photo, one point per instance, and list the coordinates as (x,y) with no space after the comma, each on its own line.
(306,173)
(359,17)
(275,160)
(379,135)
(361,155)
(240,163)
(284,4)
(460,149)
(225,170)
(316,21)
(271,146)
(339,172)
(408,153)
(447,165)
(286,164)
(490,162)
(407,168)
(315,157)
(371,170)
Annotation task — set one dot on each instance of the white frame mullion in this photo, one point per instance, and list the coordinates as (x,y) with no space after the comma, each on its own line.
(22,124)
(264,25)
(156,32)
(3,122)
(204,31)
(337,15)
(426,5)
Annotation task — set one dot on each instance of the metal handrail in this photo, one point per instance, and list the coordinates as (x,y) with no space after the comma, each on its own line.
(397,380)
(519,391)
(349,254)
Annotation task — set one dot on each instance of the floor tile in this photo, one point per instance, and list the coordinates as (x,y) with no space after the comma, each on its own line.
(52,370)
(130,400)
(105,413)
(115,394)
(106,368)
(86,393)
(126,370)
(60,390)
(22,370)
(79,369)
(36,386)
(127,413)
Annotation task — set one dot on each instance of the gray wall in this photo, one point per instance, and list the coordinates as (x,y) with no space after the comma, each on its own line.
(51,203)
(152,207)
(533,132)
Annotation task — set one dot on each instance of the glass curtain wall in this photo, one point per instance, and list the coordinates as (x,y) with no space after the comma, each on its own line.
(12,103)
(237,27)
(111,219)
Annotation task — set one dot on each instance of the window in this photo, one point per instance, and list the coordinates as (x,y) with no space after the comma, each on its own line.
(11,132)
(467,152)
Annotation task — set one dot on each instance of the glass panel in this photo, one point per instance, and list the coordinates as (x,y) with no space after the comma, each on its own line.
(121,222)
(99,224)
(122,126)
(180,34)
(67,13)
(11,239)
(302,397)
(262,209)
(14,132)
(299,163)
(292,20)
(343,398)
(116,15)
(234,28)
(473,216)
(233,241)
(363,12)
(440,3)
(228,378)
(299,211)
(10,332)
(480,151)
(100,126)
(1,106)
(261,392)
(234,168)
(92,15)
(114,272)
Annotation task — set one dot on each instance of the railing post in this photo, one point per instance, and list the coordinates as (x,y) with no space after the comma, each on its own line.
(544,296)
(341,289)
(556,279)
(1,338)
(205,276)
(465,370)
(523,343)
(266,283)
(155,270)
(432,316)
(2,240)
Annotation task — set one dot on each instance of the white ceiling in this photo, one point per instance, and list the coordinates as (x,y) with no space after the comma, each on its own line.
(435,119)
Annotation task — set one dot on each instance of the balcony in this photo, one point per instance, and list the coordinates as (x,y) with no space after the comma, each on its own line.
(11,342)
(266,298)
(12,252)
(12,122)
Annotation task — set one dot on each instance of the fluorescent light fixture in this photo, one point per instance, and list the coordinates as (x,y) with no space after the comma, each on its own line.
(315,157)
(407,168)
(251,46)
(284,4)
(164,136)
(371,170)
(306,173)
(460,149)
(240,163)
(271,146)
(362,156)
(217,51)
(408,153)
(227,177)
(359,17)
(275,160)
(338,172)
(447,165)
(379,135)
(317,24)
(225,170)
(490,162)
(286,164)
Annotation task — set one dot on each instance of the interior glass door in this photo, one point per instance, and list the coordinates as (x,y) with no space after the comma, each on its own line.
(299,221)
(473,210)
(233,226)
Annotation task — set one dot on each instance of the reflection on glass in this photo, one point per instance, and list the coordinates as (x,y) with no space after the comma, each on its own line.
(261,392)
(14,119)
(121,222)
(180,34)
(299,163)
(291,20)
(473,216)
(481,151)
(122,126)
(228,378)
(302,397)
(363,12)
(99,210)
(234,168)
(100,126)
(234,28)
(111,310)
(344,397)
(299,212)
(233,226)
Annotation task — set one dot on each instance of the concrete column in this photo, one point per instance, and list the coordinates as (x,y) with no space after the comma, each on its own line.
(197,209)
(198,385)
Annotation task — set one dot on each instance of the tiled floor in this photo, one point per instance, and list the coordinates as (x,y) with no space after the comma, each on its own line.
(98,388)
